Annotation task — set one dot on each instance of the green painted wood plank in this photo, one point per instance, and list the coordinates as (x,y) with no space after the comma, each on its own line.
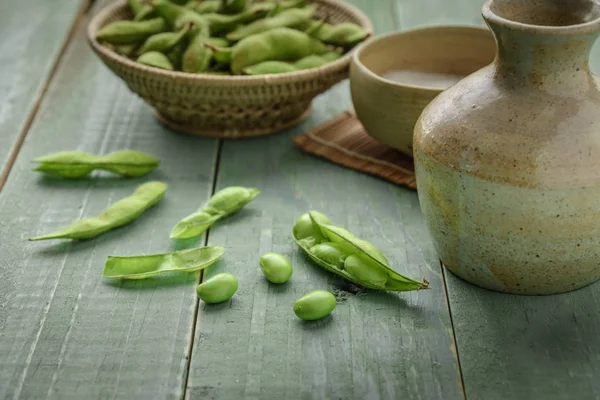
(32,34)
(513,347)
(375,345)
(64,332)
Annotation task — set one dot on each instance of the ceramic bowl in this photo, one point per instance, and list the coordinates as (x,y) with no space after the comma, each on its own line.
(228,106)
(387,102)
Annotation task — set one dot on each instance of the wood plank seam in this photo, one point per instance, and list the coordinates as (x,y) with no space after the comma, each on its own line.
(397,10)
(200,278)
(79,18)
(460,372)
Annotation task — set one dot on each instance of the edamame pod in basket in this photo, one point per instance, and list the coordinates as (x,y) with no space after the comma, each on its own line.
(279,67)
(163,42)
(289,18)
(196,57)
(77,164)
(156,60)
(232,6)
(140,10)
(223,203)
(345,34)
(202,7)
(140,267)
(130,32)
(280,44)
(339,251)
(120,213)
(176,16)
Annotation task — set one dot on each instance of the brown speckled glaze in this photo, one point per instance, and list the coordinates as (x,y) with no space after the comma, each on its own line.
(508,160)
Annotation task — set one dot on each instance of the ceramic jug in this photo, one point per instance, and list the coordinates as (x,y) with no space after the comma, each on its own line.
(508,160)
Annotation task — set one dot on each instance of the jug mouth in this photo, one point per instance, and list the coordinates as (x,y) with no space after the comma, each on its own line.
(551,17)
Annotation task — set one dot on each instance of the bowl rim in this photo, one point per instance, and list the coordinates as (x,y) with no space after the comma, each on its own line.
(355,61)
(233,80)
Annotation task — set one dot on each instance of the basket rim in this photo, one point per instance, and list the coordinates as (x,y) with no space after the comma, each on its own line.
(99,20)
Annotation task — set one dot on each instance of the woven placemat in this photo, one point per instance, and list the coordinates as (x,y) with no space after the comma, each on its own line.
(344,141)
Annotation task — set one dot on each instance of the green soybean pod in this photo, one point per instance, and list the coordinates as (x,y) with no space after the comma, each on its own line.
(337,250)
(231,199)
(197,56)
(223,203)
(232,6)
(280,44)
(315,305)
(140,10)
(130,32)
(288,18)
(156,60)
(203,7)
(77,164)
(140,267)
(163,42)
(276,267)
(345,34)
(269,68)
(176,16)
(314,60)
(120,213)
(218,289)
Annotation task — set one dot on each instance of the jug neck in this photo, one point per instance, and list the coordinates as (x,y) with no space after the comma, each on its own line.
(544,42)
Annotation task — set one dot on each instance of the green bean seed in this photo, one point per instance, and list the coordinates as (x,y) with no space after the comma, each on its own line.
(366,270)
(130,32)
(156,59)
(163,42)
(222,204)
(289,18)
(345,34)
(218,289)
(306,227)
(120,213)
(315,305)
(140,267)
(77,164)
(279,44)
(276,267)
(332,253)
(364,264)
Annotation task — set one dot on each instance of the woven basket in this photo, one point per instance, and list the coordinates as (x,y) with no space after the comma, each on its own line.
(227,106)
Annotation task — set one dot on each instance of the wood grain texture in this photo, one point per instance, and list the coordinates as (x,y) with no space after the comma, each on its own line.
(374,345)
(32,34)
(514,347)
(64,331)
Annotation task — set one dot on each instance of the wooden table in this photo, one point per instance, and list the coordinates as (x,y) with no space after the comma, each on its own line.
(66,333)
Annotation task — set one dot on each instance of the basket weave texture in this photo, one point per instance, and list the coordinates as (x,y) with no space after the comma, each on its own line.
(227,106)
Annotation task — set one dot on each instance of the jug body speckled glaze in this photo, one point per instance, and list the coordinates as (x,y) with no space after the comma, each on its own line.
(508,160)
